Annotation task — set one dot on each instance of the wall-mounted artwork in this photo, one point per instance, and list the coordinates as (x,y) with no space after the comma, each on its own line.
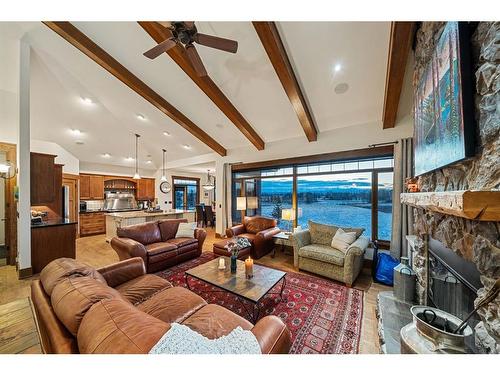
(444,119)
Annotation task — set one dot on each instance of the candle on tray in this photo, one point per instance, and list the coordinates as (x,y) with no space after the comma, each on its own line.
(222,264)
(249,268)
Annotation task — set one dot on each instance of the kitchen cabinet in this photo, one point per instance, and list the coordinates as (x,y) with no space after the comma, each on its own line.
(84,186)
(96,187)
(145,189)
(50,241)
(92,223)
(91,187)
(43,176)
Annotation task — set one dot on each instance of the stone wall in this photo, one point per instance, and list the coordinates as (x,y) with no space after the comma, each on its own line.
(475,241)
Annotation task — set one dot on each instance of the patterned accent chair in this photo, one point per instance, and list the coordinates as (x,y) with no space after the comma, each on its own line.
(312,252)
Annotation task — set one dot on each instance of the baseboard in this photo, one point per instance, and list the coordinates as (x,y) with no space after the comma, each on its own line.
(25,273)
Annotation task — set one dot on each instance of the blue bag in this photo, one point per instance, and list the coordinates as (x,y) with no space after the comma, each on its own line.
(385,269)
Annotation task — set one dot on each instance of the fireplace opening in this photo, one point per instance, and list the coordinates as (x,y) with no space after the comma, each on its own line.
(453,282)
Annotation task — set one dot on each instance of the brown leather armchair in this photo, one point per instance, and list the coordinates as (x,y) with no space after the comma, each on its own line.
(156,244)
(122,309)
(259,230)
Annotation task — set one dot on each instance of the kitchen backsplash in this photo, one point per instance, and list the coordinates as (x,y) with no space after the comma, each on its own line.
(95,205)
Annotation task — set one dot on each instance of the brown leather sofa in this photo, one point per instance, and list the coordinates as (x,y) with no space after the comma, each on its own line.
(156,244)
(122,309)
(259,230)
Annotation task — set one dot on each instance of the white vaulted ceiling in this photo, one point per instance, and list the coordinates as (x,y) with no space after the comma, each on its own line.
(61,75)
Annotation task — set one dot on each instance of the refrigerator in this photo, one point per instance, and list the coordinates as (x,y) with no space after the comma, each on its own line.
(65,202)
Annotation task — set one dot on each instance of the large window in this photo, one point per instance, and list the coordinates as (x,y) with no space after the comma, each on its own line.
(185,192)
(356,193)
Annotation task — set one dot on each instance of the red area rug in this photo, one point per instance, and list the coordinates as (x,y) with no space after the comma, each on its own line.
(323,316)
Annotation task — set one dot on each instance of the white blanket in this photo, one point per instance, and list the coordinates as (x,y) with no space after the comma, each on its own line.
(181,339)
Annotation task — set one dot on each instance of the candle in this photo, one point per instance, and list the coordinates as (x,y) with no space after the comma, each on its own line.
(249,268)
(222,264)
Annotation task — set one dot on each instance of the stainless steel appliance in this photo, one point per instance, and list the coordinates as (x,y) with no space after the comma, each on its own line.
(65,198)
(120,202)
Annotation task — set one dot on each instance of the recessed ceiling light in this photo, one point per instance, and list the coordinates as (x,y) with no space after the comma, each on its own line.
(166,134)
(106,155)
(129,158)
(220,126)
(76,132)
(141,117)
(148,162)
(337,67)
(341,88)
(87,100)
(187,147)
(79,142)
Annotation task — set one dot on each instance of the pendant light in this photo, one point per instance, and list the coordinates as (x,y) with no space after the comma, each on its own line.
(136,175)
(209,185)
(164,163)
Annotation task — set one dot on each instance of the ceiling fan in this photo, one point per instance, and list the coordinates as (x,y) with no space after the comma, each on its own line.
(184,33)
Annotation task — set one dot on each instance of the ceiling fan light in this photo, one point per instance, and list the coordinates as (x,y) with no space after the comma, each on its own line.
(163,178)
(208,187)
(136,176)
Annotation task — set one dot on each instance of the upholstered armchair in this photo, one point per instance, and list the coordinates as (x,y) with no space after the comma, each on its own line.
(320,258)
(259,230)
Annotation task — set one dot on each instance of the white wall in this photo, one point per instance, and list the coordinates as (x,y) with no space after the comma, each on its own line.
(9,89)
(71,163)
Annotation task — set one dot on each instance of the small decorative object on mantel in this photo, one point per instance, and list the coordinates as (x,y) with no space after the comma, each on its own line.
(411,185)
(249,268)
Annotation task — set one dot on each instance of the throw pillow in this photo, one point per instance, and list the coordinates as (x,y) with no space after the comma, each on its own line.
(321,233)
(186,230)
(342,240)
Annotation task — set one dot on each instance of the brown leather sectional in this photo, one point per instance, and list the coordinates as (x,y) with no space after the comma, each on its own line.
(122,309)
(156,244)
(259,230)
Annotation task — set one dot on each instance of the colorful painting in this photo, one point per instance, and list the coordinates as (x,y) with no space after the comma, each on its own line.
(442,119)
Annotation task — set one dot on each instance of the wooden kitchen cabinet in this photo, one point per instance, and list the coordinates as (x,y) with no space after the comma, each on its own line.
(145,189)
(91,186)
(97,187)
(84,186)
(43,176)
(92,223)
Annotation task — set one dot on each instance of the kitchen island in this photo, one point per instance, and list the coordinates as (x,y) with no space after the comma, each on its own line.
(122,219)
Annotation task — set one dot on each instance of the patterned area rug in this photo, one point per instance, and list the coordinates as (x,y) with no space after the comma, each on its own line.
(323,316)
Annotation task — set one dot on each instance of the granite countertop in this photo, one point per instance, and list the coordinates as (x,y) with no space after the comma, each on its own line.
(133,214)
(53,223)
(107,211)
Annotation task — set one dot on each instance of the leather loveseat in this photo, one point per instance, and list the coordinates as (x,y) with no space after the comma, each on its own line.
(259,230)
(156,244)
(122,309)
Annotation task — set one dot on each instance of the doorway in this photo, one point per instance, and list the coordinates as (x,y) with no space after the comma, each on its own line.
(186,192)
(8,216)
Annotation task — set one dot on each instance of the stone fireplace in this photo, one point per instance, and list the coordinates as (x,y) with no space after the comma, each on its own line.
(477,242)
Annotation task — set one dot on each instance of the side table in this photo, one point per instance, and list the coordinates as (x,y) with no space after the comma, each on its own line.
(283,240)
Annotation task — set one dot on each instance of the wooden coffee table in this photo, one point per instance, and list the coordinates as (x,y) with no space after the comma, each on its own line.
(246,290)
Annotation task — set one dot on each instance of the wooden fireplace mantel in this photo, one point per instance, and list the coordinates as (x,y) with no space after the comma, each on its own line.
(481,205)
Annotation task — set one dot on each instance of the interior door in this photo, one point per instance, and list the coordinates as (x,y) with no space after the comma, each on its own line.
(3,211)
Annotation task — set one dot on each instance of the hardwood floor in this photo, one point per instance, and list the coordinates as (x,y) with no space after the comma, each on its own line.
(17,326)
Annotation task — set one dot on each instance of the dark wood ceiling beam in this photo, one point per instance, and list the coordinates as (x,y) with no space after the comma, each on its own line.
(271,40)
(101,57)
(159,33)
(399,46)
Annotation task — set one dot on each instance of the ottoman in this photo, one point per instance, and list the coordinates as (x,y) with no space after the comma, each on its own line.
(220,248)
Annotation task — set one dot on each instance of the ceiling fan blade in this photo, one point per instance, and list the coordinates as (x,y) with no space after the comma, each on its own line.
(167,24)
(195,59)
(227,45)
(160,48)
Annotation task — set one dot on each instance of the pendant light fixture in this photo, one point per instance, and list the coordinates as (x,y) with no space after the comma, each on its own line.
(210,184)
(164,163)
(136,175)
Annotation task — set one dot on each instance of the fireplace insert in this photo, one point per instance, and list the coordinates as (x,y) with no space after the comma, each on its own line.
(453,282)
